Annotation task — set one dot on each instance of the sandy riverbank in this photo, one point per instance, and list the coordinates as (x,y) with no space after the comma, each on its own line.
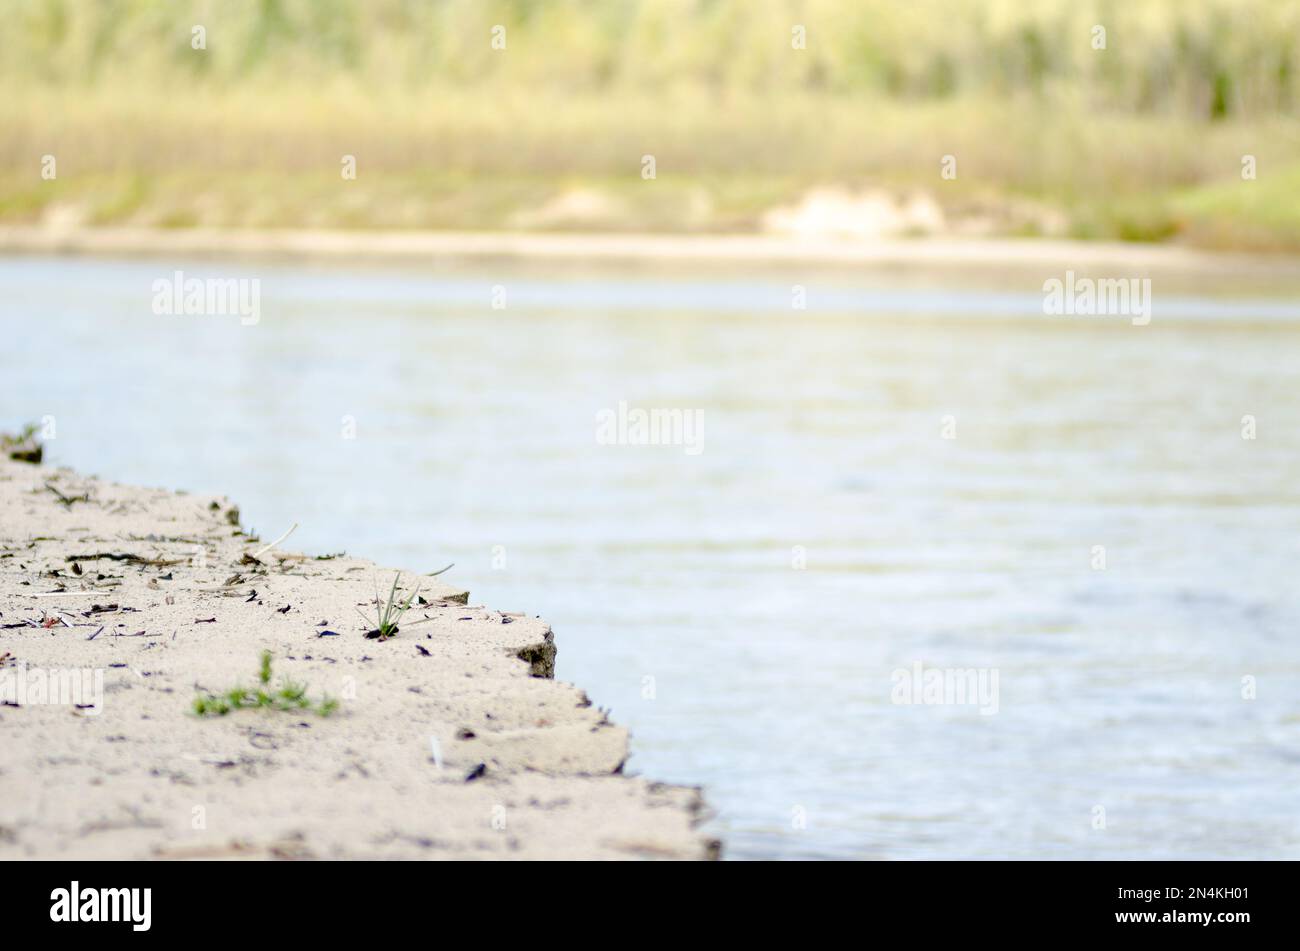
(435,247)
(451,739)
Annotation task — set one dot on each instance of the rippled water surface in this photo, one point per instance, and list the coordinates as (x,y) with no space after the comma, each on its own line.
(676,575)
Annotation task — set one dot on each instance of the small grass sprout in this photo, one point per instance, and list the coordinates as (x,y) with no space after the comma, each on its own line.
(387,614)
(288,697)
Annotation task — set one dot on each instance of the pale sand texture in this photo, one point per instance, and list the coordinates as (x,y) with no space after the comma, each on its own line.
(642,249)
(132,781)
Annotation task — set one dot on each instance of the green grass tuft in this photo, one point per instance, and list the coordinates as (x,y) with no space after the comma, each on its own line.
(387,614)
(290,697)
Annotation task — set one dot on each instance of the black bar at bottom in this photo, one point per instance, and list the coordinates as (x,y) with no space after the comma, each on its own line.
(1214,900)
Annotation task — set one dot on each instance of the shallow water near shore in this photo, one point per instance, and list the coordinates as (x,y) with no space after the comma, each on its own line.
(744,609)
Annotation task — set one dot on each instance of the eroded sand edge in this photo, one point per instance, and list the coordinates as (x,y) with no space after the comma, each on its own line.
(167,605)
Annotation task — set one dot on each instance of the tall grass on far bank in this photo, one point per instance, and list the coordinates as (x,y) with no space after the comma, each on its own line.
(1209,59)
(1140,141)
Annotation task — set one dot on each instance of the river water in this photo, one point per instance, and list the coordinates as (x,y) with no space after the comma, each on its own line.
(908,471)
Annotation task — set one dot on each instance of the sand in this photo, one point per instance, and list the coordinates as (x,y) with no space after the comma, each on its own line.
(669,250)
(525,766)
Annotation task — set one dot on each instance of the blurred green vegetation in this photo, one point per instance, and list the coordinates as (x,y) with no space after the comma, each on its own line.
(1142,140)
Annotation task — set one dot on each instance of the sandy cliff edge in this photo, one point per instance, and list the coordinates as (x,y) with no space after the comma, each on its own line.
(167,604)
